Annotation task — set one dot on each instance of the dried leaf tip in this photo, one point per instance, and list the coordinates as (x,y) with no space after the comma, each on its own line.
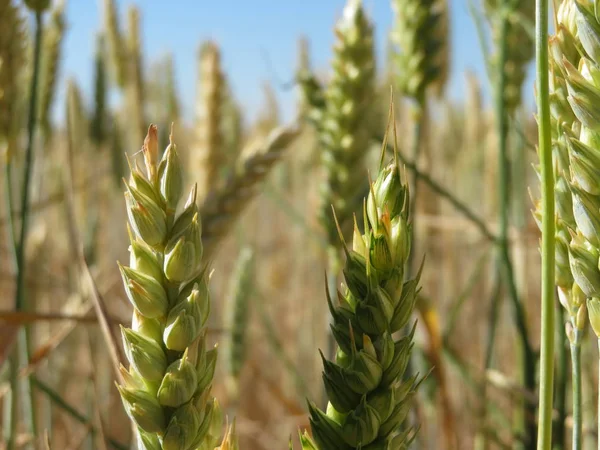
(150,150)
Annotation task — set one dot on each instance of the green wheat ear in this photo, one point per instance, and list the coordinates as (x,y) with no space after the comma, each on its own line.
(340,113)
(167,389)
(519,45)
(369,394)
(421,37)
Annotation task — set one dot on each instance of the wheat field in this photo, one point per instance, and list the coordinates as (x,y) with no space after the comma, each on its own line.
(224,276)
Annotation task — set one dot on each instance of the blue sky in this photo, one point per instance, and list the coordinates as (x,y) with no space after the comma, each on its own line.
(247,31)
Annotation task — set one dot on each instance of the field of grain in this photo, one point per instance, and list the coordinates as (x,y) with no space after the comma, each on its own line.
(365,272)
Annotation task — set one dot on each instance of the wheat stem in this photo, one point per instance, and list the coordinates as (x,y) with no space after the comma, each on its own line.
(561,382)
(577,403)
(548,229)
(505,260)
(20,249)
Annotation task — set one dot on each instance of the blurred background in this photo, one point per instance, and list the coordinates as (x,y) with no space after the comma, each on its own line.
(230,76)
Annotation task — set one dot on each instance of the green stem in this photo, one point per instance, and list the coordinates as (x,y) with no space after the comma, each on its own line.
(465,294)
(576,381)
(8,196)
(23,351)
(528,362)
(547,204)
(561,383)
(418,118)
(481,440)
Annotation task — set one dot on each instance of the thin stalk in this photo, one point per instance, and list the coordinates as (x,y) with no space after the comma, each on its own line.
(528,361)
(465,294)
(481,439)
(547,177)
(8,198)
(576,382)
(22,350)
(561,383)
(418,122)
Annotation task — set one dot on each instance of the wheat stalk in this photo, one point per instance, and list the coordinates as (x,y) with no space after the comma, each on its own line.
(166,390)
(576,161)
(223,206)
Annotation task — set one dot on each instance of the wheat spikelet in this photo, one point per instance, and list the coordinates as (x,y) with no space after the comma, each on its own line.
(341,114)
(52,54)
(223,206)
(369,397)
(135,80)
(421,36)
(519,44)
(116,44)
(12,49)
(209,155)
(166,390)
